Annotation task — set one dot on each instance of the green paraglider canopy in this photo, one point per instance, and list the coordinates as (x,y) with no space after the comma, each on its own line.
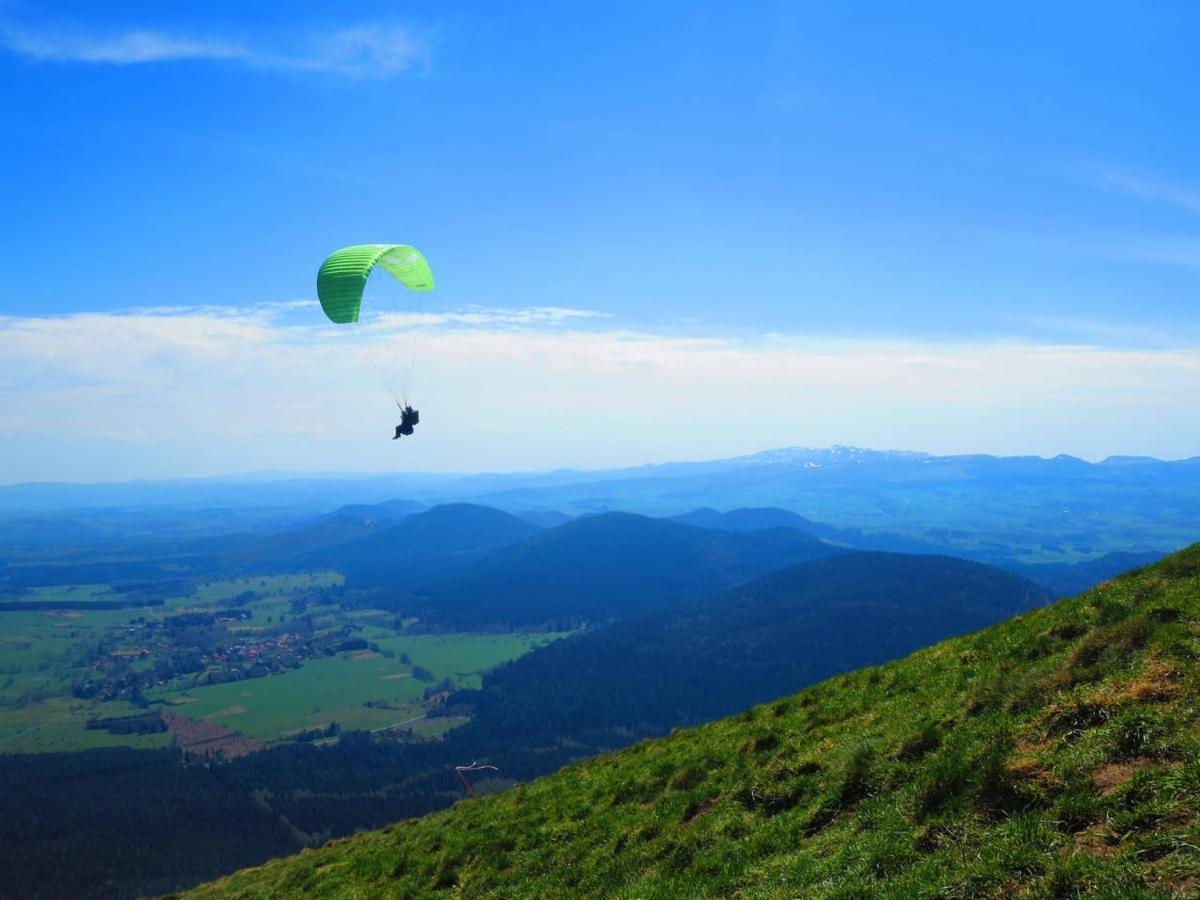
(343,276)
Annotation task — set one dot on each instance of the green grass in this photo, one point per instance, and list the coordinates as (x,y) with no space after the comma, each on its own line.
(278,587)
(335,688)
(38,649)
(1054,755)
(59,725)
(464,657)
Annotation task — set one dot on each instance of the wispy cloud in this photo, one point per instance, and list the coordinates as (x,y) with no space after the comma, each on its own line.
(536,316)
(125,48)
(367,50)
(210,389)
(1144,187)
(376,50)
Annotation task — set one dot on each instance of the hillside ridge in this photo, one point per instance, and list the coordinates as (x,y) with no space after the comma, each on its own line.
(1054,754)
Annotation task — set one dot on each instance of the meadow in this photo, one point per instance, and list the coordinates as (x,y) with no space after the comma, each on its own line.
(337,689)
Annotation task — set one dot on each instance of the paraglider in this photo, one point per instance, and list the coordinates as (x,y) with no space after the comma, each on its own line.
(408,418)
(381,326)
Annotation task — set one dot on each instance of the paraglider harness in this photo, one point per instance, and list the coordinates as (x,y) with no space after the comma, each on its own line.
(408,418)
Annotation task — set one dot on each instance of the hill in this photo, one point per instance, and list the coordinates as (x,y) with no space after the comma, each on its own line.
(1053,754)
(992,508)
(1063,579)
(703,658)
(699,661)
(759,518)
(1066,579)
(611,566)
(421,547)
(341,526)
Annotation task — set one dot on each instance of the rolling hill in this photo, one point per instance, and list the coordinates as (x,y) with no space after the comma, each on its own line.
(341,526)
(702,658)
(421,547)
(1066,579)
(1063,579)
(611,566)
(759,518)
(1054,754)
(1025,508)
(699,661)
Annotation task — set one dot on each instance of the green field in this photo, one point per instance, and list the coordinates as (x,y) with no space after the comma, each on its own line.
(38,649)
(335,688)
(58,725)
(42,653)
(74,593)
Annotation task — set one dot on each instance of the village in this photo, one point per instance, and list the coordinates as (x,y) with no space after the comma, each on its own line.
(200,648)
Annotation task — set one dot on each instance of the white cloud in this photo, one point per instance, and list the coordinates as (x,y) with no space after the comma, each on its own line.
(481,315)
(377,50)
(209,390)
(371,50)
(124,48)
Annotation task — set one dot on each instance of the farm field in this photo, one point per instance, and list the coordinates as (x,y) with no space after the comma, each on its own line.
(336,689)
(59,725)
(38,649)
(46,654)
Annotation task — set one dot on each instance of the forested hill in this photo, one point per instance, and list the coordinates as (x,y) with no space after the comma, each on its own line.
(338,527)
(1063,579)
(422,547)
(611,566)
(699,661)
(759,518)
(1053,754)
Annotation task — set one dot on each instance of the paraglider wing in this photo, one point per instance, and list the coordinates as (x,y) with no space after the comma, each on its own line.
(344,274)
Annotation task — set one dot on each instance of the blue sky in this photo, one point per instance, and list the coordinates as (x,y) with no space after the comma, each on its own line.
(784,189)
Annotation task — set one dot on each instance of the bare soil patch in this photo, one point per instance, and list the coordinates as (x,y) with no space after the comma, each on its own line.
(1110,778)
(1099,840)
(1157,682)
(201,738)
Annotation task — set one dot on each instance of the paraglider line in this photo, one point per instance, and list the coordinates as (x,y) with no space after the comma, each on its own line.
(461,771)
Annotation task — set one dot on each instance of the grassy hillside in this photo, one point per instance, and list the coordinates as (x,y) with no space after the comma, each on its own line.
(1053,754)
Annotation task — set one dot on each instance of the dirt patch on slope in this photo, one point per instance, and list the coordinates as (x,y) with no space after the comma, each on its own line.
(1112,777)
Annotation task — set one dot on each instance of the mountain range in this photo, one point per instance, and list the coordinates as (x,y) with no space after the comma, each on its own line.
(1030,509)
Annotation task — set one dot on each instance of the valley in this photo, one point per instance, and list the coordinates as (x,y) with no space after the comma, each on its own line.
(268,657)
(314,675)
